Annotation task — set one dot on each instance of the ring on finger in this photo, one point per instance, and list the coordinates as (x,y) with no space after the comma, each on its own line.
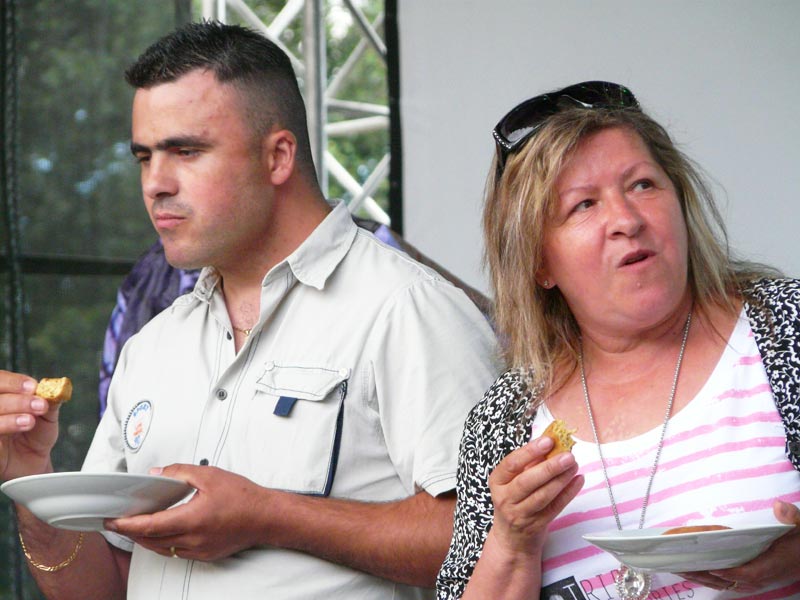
(172,552)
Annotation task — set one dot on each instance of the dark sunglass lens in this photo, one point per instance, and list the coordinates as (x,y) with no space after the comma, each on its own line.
(524,118)
(610,94)
(596,94)
(517,134)
(617,95)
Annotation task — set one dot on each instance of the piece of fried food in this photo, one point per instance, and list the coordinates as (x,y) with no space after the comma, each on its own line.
(561,436)
(694,529)
(54,390)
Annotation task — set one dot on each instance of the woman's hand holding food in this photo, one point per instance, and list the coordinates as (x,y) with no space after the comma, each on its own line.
(528,492)
(28,427)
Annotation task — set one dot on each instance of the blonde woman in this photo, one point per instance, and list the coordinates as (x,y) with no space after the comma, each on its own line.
(622,315)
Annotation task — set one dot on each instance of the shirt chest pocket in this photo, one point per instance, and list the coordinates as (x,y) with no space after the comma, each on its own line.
(295,426)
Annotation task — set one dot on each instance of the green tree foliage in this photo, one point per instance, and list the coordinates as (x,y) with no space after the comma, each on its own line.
(75,169)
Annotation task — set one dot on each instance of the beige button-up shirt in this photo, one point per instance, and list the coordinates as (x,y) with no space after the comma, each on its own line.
(355,384)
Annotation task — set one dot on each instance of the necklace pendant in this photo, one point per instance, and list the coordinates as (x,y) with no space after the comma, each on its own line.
(632,584)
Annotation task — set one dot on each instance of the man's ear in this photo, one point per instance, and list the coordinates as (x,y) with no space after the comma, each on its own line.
(279,154)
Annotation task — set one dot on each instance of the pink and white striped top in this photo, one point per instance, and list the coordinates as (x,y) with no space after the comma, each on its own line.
(723,463)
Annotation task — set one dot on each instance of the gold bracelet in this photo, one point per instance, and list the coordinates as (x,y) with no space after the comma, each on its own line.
(54,568)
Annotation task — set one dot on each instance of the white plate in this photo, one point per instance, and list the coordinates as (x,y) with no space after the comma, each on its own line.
(648,550)
(80,501)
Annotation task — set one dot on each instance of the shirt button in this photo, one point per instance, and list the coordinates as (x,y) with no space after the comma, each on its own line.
(344,372)
(204,462)
(269,366)
(221,394)
(229,335)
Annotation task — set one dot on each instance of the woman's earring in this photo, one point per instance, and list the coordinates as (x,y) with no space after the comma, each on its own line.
(546,284)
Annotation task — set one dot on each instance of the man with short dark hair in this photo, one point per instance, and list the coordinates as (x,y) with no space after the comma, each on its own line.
(312,387)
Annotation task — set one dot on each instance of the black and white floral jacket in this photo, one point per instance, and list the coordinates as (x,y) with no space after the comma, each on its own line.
(501,423)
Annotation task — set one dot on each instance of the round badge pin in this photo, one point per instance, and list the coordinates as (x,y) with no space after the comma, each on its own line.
(137,425)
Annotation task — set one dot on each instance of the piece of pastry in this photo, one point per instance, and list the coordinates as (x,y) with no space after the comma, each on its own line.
(54,390)
(694,529)
(561,436)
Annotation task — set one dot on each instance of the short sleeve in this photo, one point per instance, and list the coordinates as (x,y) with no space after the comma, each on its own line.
(493,429)
(433,356)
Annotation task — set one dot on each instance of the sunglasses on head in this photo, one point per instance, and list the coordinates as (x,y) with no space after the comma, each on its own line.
(525,119)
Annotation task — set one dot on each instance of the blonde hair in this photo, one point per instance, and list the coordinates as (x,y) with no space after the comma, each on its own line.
(537,329)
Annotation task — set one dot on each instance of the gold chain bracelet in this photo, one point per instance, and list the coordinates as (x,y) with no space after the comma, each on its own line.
(53,568)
